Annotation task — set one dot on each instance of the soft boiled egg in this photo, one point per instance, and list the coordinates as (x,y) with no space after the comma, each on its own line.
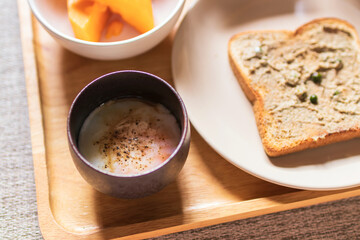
(129,136)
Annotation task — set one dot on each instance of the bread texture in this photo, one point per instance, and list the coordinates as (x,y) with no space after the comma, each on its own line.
(304,85)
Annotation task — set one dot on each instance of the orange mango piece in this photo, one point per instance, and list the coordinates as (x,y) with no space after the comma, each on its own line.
(114,29)
(88,18)
(137,13)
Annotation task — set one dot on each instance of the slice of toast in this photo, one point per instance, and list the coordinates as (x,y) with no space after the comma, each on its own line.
(304,85)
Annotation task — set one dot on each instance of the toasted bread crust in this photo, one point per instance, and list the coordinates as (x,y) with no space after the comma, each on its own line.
(262,115)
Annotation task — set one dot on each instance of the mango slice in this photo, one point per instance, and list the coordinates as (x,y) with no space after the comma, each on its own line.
(88,18)
(137,13)
(114,29)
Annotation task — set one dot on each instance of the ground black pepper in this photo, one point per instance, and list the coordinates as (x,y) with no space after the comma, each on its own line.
(134,141)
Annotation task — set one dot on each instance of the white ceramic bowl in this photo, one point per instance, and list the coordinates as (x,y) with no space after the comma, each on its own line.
(53,16)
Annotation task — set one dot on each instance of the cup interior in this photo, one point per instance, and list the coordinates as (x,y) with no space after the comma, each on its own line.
(124,84)
(53,14)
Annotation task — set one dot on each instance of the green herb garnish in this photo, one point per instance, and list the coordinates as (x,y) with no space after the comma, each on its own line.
(313,99)
(316,77)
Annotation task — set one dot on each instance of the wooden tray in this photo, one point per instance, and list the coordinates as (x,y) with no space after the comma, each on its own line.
(208,191)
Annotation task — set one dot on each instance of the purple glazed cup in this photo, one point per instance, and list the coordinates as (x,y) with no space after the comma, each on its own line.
(124,84)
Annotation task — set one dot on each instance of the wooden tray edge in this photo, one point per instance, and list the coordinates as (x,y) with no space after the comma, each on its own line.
(46,220)
(52,230)
(236,211)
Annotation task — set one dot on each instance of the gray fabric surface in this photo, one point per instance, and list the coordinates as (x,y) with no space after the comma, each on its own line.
(18,215)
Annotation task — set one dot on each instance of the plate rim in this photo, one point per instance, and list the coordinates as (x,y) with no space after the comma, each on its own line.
(213,145)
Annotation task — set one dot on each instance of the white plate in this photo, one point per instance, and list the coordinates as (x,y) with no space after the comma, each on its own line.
(219,109)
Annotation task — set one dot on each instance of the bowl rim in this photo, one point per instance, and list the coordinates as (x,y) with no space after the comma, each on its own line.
(52,29)
(183,136)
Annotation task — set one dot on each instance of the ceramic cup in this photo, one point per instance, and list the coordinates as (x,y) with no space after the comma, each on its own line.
(119,85)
